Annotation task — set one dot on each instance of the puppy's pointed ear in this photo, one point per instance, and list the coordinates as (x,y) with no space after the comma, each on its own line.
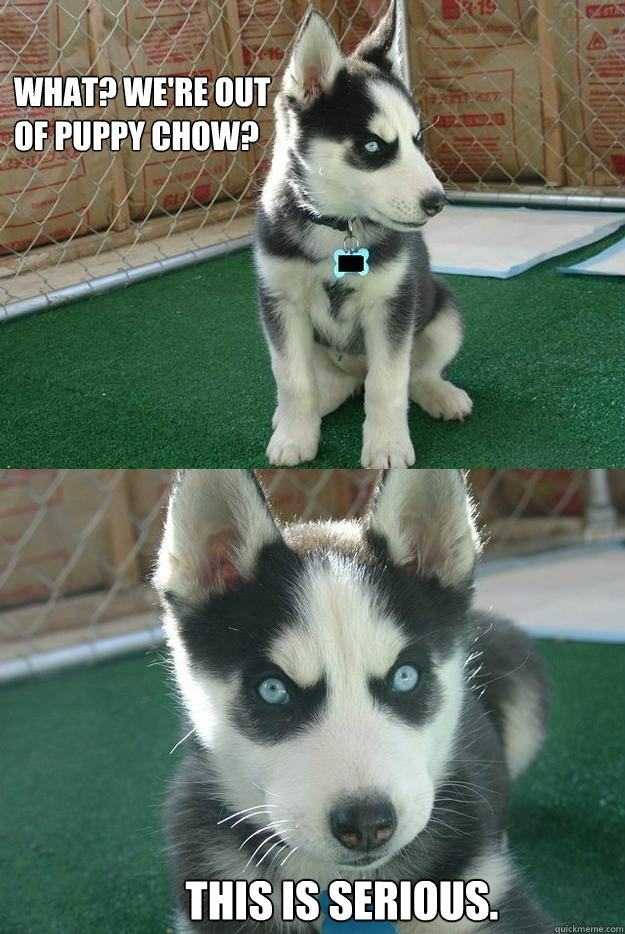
(381,47)
(315,61)
(426,519)
(217,522)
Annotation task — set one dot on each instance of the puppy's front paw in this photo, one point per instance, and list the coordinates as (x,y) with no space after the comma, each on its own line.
(441,399)
(382,450)
(293,442)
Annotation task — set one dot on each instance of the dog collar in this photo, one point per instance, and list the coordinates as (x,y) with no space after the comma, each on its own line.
(352,258)
(336,223)
(351,927)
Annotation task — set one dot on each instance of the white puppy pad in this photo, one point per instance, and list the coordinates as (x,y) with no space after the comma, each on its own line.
(575,593)
(610,262)
(502,242)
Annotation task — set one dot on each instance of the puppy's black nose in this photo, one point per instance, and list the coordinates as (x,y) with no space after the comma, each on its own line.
(433,202)
(363,824)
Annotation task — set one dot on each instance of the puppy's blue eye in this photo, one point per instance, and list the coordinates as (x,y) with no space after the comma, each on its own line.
(405,679)
(273,691)
(372,146)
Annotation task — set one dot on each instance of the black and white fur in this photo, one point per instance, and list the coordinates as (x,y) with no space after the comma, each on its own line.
(395,329)
(332,609)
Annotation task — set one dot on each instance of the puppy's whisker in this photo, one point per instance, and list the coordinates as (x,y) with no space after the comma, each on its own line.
(288,856)
(276,855)
(442,823)
(270,826)
(266,854)
(259,847)
(264,790)
(427,124)
(441,808)
(180,742)
(254,807)
(241,820)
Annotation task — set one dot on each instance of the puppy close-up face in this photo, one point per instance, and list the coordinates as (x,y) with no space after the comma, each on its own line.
(355,137)
(322,664)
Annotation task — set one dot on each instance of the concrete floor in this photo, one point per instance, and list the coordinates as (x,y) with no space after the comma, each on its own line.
(576,593)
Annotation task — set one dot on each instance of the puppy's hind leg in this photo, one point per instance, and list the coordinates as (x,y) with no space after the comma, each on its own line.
(334,385)
(433,348)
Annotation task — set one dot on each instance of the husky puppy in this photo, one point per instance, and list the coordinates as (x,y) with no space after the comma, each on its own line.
(350,715)
(348,155)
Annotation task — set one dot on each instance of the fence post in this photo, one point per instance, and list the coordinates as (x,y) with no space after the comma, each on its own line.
(600,511)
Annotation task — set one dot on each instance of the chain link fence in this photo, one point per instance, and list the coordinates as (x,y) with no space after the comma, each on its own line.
(524,100)
(77,546)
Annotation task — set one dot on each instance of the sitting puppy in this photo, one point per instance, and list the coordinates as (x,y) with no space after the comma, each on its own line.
(349,178)
(350,715)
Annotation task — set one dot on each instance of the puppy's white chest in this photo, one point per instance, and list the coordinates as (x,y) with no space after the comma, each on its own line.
(343,305)
(339,308)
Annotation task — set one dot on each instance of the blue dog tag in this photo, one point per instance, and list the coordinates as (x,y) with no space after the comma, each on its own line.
(351,927)
(351,261)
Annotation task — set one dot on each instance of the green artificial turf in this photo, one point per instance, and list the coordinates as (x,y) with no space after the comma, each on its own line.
(85,761)
(174,372)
